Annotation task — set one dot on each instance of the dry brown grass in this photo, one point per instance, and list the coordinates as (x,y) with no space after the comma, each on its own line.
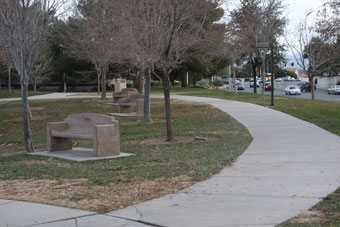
(309,217)
(177,139)
(101,199)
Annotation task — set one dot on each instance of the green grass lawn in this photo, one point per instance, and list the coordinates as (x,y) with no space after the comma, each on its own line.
(322,113)
(4,94)
(192,161)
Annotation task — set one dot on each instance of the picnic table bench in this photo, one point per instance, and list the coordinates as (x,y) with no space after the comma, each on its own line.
(101,129)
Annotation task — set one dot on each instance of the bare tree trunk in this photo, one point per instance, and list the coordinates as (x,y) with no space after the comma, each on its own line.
(104,82)
(26,114)
(35,84)
(234,79)
(141,82)
(166,88)
(184,78)
(98,84)
(147,116)
(313,89)
(9,79)
(254,76)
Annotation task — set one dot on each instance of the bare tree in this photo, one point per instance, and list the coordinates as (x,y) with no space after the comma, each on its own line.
(23,25)
(253,21)
(42,66)
(329,19)
(312,51)
(94,34)
(173,29)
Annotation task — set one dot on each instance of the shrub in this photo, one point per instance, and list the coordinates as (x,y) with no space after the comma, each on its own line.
(156,84)
(218,83)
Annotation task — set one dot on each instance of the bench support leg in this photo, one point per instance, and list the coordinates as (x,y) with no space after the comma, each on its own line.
(140,107)
(106,140)
(59,144)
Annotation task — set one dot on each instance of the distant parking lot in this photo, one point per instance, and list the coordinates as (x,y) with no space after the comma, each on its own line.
(320,94)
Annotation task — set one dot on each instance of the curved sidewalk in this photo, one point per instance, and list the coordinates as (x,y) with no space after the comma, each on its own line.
(289,167)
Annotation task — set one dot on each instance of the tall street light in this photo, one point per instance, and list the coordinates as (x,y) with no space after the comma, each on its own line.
(263,47)
(272,72)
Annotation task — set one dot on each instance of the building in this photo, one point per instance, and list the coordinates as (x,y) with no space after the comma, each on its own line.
(299,72)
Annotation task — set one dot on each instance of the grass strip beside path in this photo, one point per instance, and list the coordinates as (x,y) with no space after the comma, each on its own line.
(105,185)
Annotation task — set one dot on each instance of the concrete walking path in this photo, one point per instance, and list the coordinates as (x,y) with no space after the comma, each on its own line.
(56,95)
(290,166)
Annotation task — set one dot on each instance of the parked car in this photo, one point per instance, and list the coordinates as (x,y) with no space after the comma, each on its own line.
(267,86)
(252,84)
(286,79)
(306,86)
(240,86)
(292,90)
(298,79)
(278,80)
(334,90)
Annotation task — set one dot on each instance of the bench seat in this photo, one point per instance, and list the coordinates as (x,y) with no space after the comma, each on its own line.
(127,104)
(76,134)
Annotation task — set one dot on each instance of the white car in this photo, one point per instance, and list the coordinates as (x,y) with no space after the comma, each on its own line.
(292,90)
(334,90)
(252,84)
(278,80)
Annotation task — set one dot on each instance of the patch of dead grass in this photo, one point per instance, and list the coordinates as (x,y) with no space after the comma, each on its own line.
(37,108)
(46,162)
(309,217)
(6,154)
(177,139)
(73,193)
(35,118)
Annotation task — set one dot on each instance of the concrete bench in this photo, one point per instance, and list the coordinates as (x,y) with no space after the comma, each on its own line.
(126,104)
(124,93)
(101,129)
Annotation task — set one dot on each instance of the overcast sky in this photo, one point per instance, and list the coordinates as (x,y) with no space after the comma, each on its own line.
(296,9)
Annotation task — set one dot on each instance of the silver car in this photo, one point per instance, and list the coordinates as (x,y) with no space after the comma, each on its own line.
(292,90)
(334,90)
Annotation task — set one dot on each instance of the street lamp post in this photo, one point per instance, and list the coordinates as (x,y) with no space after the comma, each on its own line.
(272,72)
(234,77)
(263,47)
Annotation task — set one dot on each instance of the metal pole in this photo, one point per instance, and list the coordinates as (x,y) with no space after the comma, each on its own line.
(187,79)
(234,78)
(263,71)
(272,72)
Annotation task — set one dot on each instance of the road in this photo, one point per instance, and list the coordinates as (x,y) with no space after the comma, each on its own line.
(320,94)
